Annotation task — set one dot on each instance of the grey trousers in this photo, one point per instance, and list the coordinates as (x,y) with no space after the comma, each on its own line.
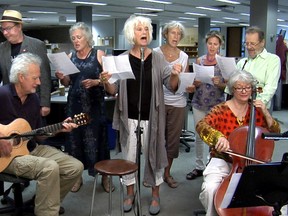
(55,173)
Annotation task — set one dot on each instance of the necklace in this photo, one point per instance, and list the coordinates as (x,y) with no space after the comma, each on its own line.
(210,59)
(240,121)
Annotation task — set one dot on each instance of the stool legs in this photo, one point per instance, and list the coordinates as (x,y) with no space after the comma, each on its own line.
(93,194)
(110,196)
(121,195)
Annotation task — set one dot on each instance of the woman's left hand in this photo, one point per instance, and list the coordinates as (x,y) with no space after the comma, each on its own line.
(88,83)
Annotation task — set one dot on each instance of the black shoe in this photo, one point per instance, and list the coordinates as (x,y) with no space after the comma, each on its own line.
(194,174)
(61,210)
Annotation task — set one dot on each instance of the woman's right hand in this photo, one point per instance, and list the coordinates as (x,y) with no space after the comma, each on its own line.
(105,76)
(59,75)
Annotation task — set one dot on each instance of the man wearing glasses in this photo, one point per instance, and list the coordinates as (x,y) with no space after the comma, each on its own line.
(264,66)
(17,43)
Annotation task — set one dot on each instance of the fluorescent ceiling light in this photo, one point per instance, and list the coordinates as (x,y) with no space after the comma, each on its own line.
(89,3)
(244,24)
(196,14)
(150,9)
(101,15)
(157,1)
(230,18)
(28,19)
(187,18)
(43,12)
(216,21)
(145,14)
(209,8)
(71,20)
(228,1)
(286,26)
(280,20)
(245,14)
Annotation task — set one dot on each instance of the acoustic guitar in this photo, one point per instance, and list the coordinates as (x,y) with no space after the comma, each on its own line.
(19,132)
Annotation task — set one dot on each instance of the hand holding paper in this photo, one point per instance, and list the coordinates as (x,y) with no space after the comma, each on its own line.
(118,66)
(186,79)
(62,63)
(204,73)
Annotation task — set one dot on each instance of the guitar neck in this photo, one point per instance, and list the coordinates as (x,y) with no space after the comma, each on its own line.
(43,130)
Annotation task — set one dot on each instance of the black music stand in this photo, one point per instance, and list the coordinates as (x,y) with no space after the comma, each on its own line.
(262,185)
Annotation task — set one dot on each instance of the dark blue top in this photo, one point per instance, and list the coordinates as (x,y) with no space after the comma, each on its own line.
(12,107)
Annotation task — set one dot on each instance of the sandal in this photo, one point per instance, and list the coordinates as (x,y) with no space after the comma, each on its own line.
(171,182)
(154,209)
(128,207)
(106,184)
(76,187)
(145,184)
(194,174)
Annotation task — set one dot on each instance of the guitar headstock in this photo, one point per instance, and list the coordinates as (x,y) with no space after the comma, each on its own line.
(81,119)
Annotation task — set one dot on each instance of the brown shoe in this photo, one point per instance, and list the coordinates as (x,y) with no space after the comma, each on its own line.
(171,182)
(106,184)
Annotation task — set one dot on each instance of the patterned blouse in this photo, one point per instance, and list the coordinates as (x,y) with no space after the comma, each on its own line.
(206,95)
(221,121)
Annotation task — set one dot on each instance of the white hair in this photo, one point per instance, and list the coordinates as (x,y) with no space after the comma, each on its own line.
(20,65)
(130,25)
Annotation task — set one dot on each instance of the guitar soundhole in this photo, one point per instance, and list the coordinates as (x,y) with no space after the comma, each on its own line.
(15,141)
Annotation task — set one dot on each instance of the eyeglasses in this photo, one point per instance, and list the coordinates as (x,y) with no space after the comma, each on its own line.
(240,89)
(252,44)
(7,29)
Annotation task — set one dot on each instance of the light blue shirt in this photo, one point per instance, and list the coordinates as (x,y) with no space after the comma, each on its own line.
(265,68)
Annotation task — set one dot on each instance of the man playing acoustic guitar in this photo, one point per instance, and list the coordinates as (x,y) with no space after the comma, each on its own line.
(54,171)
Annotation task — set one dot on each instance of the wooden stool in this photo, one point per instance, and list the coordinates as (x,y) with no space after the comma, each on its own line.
(116,167)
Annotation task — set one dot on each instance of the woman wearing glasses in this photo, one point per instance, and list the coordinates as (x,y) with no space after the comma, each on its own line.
(215,128)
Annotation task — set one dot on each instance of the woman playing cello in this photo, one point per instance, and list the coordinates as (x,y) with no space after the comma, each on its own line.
(220,122)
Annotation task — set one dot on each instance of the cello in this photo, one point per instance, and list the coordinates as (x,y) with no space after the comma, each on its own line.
(245,140)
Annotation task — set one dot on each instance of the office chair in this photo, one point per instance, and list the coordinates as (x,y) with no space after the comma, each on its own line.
(186,135)
(16,204)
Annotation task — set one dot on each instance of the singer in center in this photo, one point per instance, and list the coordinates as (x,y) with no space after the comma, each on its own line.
(140,103)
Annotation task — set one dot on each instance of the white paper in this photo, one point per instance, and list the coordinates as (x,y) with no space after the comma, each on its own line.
(62,63)
(204,73)
(227,65)
(186,79)
(231,190)
(118,66)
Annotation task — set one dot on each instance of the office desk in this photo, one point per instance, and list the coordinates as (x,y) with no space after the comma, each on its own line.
(57,114)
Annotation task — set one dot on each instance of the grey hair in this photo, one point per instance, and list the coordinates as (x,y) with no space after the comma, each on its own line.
(130,25)
(172,25)
(216,34)
(86,30)
(256,29)
(242,76)
(20,65)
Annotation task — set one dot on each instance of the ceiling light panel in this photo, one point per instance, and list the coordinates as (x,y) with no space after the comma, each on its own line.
(150,9)
(89,3)
(156,1)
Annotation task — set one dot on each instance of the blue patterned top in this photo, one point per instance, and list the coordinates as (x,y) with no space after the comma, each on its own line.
(206,95)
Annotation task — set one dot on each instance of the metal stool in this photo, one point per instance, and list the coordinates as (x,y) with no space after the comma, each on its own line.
(116,167)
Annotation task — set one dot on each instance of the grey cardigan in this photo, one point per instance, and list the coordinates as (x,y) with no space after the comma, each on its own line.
(157,157)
